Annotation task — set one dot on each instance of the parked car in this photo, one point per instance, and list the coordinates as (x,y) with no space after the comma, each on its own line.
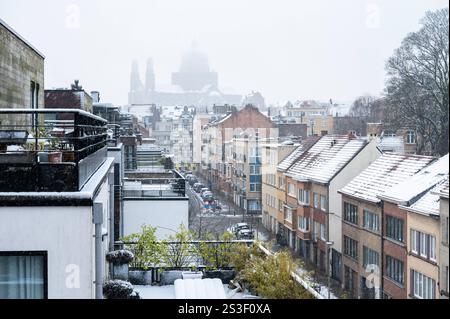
(245,234)
(204,189)
(193,181)
(198,187)
(236,228)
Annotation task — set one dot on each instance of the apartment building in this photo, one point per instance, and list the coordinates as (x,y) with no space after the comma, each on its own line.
(443,245)
(56,205)
(277,219)
(272,154)
(312,185)
(411,231)
(361,224)
(249,122)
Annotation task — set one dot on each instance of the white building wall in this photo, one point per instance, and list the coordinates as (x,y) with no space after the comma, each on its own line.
(361,161)
(167,215)
(66,233)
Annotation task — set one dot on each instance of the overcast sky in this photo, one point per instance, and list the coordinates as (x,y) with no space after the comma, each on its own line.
(287,50)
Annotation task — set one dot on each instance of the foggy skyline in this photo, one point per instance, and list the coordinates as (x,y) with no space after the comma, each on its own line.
(287,50)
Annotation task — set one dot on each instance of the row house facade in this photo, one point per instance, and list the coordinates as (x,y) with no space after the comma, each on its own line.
(411,233)
(313,211)
(236,140)
(362,220)
(443,245)
(272,154)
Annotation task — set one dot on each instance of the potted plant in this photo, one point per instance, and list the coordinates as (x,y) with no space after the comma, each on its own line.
(217,258)
(117,289)
(146,252)
(120,260)
(55,154)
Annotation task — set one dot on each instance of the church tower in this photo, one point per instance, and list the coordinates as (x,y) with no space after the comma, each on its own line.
(150,76)
(135,81)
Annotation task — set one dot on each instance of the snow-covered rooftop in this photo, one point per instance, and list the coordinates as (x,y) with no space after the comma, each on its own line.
(296,153)
(326,158)
(408,191)
(428,203)
(387,171)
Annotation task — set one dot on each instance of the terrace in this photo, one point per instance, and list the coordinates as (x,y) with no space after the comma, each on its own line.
(50,150)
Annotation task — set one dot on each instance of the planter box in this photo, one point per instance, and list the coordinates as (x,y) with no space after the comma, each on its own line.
(226,275)
(168,277)
(192,275)
(120,271)
(140,277)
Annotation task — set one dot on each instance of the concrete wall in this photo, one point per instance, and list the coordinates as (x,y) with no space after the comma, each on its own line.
(167,214)
(66,233)
(19,65)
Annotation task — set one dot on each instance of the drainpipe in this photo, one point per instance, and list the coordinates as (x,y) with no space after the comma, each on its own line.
(111,210)
(98,220)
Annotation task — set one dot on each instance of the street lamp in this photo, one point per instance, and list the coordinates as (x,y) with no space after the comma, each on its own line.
(329,244)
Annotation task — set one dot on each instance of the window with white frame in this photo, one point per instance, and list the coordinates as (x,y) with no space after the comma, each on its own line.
(351,213)
(371,221)
(323,203)
(280,205)
(350,247)
(303,196)
(323,232)
(316,200)
(291,189)
(303,223)
(423,287)
(288,214)
(410,137)
(394,228)
(423,244)
(370,257)
(395,269)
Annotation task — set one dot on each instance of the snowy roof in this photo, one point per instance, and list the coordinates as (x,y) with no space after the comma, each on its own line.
(387,171)
(391,144)
(296,153)
(326,158)
(428,203)
(444,191)
(408,191)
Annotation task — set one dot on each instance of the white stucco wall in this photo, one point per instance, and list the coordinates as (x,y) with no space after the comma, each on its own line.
(66,233)
(361,161)
(167,215)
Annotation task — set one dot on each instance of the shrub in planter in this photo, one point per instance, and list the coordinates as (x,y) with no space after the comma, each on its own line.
(117,289)
(119,257)
(134,295)
(226,275)
(120,260)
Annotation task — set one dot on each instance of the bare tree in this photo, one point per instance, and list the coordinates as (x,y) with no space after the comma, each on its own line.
(417,86)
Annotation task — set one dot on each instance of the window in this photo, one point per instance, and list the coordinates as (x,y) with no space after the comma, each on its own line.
(445,230)
(280,205)
(23,275)
(303,196)
(351,213)
(423,287)
(323,203)
(370,257)
(323,232)
(316,229)
(291,189)
(423,244)
(350,247)
(394,228)
(303,223)
(394,269)
(316,200)
(281,181)
(371,221)
(288,215)
(410,137)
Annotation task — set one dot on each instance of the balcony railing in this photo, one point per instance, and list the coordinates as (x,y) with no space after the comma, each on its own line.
(50,149)
(154,188)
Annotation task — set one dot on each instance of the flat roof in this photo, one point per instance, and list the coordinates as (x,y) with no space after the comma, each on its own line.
(18,36)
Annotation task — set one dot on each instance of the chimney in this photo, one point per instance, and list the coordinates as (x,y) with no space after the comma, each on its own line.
(351,135)
(95,96)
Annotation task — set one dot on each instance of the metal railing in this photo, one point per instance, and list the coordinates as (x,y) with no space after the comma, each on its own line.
(49,149)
